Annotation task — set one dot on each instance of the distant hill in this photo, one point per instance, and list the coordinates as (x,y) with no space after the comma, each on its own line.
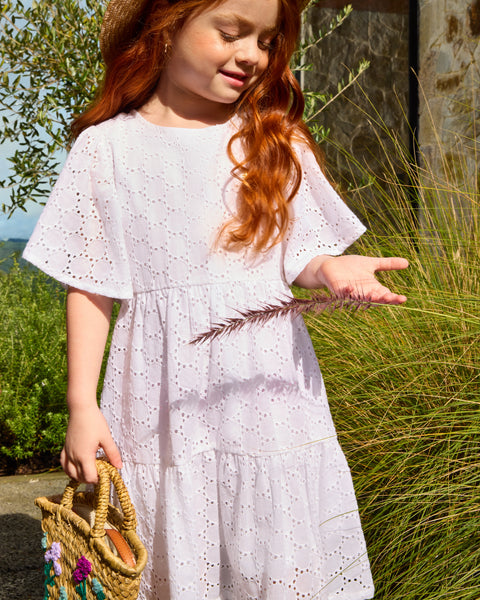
(10,249)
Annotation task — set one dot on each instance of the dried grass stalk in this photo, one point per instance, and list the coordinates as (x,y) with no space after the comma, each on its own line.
(317,303)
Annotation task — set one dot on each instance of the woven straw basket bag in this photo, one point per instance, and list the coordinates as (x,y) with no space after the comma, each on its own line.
(92,551)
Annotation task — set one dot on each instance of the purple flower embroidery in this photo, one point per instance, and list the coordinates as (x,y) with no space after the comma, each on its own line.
(83,569)
(53,555)
(54,552)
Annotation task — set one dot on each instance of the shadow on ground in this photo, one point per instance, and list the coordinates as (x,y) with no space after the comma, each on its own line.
(21,554)
(21,558)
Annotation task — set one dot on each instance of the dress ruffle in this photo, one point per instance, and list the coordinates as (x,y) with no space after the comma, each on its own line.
(279,526)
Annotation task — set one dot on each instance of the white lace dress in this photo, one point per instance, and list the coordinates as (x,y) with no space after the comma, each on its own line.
(230,453)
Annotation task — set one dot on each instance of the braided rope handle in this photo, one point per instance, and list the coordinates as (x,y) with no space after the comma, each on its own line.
(107,475)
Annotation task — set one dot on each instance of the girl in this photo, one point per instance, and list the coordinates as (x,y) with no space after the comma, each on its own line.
(193,189)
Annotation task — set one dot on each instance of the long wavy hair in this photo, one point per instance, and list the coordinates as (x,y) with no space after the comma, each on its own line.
(270,114)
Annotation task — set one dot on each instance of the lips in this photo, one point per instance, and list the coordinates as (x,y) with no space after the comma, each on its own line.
(236,78)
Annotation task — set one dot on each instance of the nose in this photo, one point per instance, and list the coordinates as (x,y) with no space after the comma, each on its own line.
(248,51)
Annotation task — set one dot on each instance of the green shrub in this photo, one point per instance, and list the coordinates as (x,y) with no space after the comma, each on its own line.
(32,364)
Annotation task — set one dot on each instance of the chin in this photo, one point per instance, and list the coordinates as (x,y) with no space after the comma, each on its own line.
(231,98)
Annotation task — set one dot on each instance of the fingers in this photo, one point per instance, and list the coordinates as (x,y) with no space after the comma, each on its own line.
(370,290)
(390,298)
(392,263)
(383,295)
(82,470)
(88,471)
(112,453)
(87,432)
(379,294)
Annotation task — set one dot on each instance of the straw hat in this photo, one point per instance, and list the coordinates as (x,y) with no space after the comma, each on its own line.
(122,20)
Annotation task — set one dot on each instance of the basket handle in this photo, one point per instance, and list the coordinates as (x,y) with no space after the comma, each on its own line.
(107,474)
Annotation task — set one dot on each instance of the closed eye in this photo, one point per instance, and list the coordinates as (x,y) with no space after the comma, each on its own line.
(267,46)
(230,39)
(227,37)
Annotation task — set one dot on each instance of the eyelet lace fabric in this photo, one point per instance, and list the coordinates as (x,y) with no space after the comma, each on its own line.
(231,458)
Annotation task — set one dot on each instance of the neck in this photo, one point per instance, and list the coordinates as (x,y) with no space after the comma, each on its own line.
(189,113)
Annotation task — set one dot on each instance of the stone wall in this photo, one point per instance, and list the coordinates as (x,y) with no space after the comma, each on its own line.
(449,51)
(448,75)
(377,31)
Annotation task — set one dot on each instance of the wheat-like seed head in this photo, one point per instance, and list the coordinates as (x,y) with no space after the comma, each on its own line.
(318,302)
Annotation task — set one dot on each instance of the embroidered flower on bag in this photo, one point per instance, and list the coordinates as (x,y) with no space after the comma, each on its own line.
(98,589)
(63,594)
(53,555)
(80,575)
(83,569)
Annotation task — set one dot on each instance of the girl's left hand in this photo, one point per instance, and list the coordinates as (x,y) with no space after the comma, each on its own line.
(354,276)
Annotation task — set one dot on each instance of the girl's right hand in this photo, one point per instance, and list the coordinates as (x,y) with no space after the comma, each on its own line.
(87,432)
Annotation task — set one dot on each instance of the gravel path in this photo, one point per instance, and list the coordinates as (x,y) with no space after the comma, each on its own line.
(21,555)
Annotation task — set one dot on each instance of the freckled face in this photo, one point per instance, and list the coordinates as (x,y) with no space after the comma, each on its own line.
(219,53)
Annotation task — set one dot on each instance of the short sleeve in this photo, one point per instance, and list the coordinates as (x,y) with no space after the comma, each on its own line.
(321,221)
(79,238)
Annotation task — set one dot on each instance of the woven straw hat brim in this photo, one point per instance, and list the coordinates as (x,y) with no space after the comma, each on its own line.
(121,19)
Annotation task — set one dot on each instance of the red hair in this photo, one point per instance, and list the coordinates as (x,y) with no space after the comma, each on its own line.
(270,112)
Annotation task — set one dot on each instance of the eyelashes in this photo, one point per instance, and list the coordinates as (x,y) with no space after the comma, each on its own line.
(267,45)
(230,39)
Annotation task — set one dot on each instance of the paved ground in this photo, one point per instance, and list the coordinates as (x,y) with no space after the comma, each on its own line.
(21,555)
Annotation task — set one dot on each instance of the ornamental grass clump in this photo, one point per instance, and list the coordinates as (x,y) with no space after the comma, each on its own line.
(404,382)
